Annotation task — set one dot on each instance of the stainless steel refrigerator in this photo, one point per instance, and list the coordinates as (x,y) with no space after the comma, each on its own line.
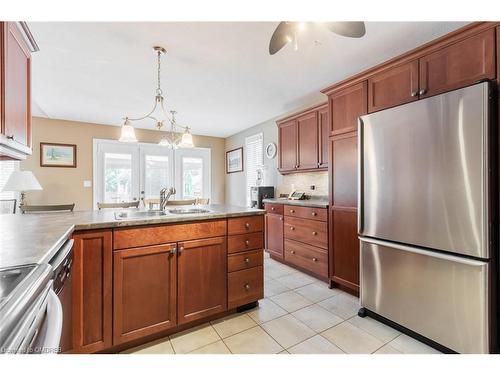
(427,217)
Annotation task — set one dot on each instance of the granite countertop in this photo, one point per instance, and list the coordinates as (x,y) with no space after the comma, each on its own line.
(35,238)
(321,202)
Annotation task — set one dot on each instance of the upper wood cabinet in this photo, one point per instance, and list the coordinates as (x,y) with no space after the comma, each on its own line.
(393,86)
(287,136)
(346,105)
(301,140)
(307,130)
(144,291)
(323,133)
(15,96)
(92,291)
(458,65)
(202,282)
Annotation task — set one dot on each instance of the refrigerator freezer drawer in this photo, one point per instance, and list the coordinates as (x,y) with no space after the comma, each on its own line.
(441,297)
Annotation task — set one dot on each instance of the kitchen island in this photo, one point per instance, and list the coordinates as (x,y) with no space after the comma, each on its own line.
(138,279)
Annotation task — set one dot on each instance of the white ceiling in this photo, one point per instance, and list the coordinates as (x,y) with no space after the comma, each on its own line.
(218,76)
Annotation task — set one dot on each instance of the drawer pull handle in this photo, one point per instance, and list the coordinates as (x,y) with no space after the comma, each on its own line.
(247,225)
(272,208)
(247,260)
(422,92)
(315,259)
(314,213)
(247,286)
(292,211)
(414,93)
(11,137)
(292,251)
(292,228)
(173,251)
(247,242)
(181,249)
(281,218)
(315,233)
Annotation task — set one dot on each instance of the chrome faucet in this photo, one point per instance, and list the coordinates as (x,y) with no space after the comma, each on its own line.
(165,195)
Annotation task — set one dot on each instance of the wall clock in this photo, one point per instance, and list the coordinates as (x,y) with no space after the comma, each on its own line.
(271,150)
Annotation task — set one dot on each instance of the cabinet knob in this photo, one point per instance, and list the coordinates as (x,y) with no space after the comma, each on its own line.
(422,92)
(247,225)
(414,93)
(272,208)
(247,242)
(292,228)
(315,259)
(281,218)
(247,286)
(292,251)
(292,211)
(247,260)
(314,213)
(181,249)
(173,251)
(315,233)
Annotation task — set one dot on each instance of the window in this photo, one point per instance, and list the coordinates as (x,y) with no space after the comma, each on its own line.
(254,160)
(127,172)
(6,168)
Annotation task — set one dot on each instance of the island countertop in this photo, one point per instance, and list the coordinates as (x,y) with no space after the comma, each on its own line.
(35,238)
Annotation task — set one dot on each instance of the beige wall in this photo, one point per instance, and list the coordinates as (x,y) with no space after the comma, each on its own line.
(65,185)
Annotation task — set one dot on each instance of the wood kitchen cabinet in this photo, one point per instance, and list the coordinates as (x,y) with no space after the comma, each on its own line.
(307,147)
(393,86)
(92,291)
(345,106)
(15,96)
(303,140)
(274,230)
(287,135)
(323,133)
(344,249)
(458,65)
(201,272)
(144,291)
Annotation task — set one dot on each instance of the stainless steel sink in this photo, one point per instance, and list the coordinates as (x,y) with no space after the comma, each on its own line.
(122,215)
(181,211)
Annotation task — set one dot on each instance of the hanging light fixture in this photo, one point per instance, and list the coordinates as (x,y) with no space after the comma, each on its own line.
(177,135)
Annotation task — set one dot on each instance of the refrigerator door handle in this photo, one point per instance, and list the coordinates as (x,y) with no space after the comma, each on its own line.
(430,253)
(360,175)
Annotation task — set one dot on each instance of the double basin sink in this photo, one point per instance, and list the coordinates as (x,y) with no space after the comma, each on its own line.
(122,215)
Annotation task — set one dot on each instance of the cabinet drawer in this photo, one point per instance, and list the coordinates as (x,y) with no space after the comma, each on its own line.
(274,208)
(320,214)
(308,231)
(309,257)
(245,286)
(243,242)
(160,234)
(247,224)
(242,261)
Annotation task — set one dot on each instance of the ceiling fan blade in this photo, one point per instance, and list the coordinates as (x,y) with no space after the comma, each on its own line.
(349,29)
(281,36)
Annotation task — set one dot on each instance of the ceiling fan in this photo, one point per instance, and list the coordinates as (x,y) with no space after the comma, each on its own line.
(287,32)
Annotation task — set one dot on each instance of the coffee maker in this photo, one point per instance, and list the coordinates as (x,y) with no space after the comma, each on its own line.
(258,193)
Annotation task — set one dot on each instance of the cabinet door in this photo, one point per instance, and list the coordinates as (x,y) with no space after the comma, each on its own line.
(274,235)
(458,65)
(202,272)
(323,133)
(92,291)
(16,95)
(287,143)
(307,130)
(144,291)
(393,86)
(346,105)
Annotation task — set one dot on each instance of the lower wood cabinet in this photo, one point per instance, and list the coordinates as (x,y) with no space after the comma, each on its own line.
(274,235)
(245,286)
(144,291)
(202,270)
(308,257)
(92,291)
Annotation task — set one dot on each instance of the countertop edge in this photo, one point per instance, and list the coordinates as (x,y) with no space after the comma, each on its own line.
(303,202)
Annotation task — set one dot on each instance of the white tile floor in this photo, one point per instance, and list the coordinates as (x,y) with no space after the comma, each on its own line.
(299,315)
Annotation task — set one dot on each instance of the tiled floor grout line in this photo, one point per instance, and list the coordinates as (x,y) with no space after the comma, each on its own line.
(218,334)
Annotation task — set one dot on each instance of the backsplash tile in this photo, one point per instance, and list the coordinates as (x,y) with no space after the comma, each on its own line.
(303,182)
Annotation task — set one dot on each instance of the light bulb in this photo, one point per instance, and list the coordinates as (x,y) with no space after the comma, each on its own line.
(186,140)
(127,133)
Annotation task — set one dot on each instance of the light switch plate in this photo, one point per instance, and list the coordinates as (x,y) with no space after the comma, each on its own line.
(87,183)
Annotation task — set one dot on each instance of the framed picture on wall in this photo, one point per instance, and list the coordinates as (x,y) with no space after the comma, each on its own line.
(57,155)
(234,160)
